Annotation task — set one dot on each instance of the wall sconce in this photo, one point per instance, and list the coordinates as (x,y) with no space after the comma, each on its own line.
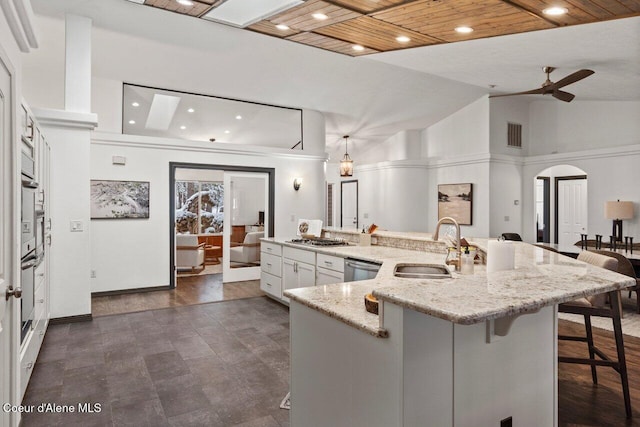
(617,211)
(297,183)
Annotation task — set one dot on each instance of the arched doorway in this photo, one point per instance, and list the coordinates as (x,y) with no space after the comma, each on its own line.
(560,203)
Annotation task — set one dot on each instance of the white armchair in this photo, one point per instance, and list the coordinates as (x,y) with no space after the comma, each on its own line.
(249,251)
(189,253)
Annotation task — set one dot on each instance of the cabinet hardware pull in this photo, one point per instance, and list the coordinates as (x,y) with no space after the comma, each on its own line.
(41,301)
(328,262)
(29,365)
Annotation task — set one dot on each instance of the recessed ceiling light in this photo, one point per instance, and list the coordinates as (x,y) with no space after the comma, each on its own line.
(183,127)
(555,11)
(135,104)
(132,122)
(190,110)
(282,27)
(226,131)
(403,39)
(320,16)
(357,47)
(238,117)
(185,2)
(464,30)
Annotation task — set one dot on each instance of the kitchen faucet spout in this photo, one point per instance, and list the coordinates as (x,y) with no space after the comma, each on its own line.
(449,220)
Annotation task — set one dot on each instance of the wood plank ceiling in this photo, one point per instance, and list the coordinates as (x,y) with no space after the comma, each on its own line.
(374,25)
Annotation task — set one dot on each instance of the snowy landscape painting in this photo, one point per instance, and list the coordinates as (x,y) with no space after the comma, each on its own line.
(119,199)
(454,200)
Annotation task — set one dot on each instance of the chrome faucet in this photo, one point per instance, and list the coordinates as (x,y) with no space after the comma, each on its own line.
(449,220)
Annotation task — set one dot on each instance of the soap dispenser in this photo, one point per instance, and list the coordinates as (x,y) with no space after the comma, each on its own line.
(466,265)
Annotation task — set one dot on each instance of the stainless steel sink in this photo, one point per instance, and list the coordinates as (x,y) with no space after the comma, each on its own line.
(422,271)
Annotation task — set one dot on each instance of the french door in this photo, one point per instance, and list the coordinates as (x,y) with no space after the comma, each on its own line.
(246,219)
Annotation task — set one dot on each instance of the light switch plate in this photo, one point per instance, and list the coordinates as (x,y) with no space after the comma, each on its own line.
(76,226)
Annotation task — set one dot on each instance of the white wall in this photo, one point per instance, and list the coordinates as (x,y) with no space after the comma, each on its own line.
(508,110)
(505,215)
(560,127)
(612,174)
(130,254)
(465,132)
(70,251)
(404,145)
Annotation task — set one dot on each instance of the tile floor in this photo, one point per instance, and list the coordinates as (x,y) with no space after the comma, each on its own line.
(218,364)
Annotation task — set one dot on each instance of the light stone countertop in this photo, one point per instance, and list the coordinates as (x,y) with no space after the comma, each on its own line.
(541,278)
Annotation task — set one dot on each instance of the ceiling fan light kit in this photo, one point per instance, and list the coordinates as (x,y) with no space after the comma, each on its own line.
(553,89)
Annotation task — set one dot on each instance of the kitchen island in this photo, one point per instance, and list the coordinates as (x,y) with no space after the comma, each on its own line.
(466,351)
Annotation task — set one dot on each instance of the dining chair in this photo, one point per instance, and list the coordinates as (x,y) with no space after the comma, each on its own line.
(512,236)
(598,306)
(625,267)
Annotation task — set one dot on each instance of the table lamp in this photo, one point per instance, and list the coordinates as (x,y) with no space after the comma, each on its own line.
(617,211)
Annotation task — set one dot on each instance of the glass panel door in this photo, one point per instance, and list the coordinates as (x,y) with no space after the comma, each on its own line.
(246,201)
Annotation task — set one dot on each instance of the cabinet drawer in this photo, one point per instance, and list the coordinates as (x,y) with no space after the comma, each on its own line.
(324,276)
(271,264)
(301,255)
(271,248)
(28,361)
(331,262)
(39,275)
(271,284)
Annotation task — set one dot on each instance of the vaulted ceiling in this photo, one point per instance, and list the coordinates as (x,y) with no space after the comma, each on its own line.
(363,27)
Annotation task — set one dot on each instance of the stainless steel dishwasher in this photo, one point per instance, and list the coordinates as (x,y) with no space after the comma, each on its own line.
(355,269)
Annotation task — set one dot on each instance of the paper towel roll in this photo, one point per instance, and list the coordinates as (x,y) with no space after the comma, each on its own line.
(501,255)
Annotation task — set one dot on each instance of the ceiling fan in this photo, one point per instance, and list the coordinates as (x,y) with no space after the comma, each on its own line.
(553,89)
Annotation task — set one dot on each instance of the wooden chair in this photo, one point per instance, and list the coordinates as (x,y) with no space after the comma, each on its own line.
(625,267)
(512,236)
(597,305)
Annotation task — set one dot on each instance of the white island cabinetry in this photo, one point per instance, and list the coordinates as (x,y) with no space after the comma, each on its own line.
(329,269)
(298,269)
(271,269)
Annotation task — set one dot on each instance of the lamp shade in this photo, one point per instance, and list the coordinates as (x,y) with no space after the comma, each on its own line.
(618,210)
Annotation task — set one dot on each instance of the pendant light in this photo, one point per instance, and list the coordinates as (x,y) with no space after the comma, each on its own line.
(346,164)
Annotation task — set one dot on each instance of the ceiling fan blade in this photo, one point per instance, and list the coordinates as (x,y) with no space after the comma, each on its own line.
(528,92)
(572,78)
(563,96)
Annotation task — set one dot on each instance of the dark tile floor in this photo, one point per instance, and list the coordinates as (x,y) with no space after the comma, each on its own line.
(218,364)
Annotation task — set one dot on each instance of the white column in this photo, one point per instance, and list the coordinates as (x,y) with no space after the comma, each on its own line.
(77,79)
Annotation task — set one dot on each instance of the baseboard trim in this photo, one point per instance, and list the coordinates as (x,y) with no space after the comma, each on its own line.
(130,291)
(71,319)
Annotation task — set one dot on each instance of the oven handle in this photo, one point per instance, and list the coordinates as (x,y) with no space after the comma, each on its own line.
(29,184)
(29,264)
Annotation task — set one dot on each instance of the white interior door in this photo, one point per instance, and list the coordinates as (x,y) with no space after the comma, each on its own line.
(8,326)
(246,219)
(349,204)
(572,211)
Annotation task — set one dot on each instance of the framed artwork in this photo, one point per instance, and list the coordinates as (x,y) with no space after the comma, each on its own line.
(119,199)
(455,201)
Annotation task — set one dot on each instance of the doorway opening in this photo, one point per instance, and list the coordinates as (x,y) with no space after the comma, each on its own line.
(218,214)
(561,205)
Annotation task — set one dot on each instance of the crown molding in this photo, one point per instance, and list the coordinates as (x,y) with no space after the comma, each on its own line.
(65,119)
(139,141)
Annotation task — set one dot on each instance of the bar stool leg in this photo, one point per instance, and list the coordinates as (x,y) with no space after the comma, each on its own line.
(592,353)
(622,362)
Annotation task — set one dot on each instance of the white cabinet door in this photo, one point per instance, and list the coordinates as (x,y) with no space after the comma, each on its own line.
(297,274)
(289,276)
(327,277)
(306,274)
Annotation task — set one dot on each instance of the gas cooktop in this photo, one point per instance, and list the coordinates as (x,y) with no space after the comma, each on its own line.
(319,241)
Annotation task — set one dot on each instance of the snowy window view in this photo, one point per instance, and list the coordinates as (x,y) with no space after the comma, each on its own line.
(200,207)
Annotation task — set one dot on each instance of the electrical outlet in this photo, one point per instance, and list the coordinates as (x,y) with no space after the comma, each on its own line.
(507,422)
(76,226)
(93,274)
(365,215)
(506,218)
